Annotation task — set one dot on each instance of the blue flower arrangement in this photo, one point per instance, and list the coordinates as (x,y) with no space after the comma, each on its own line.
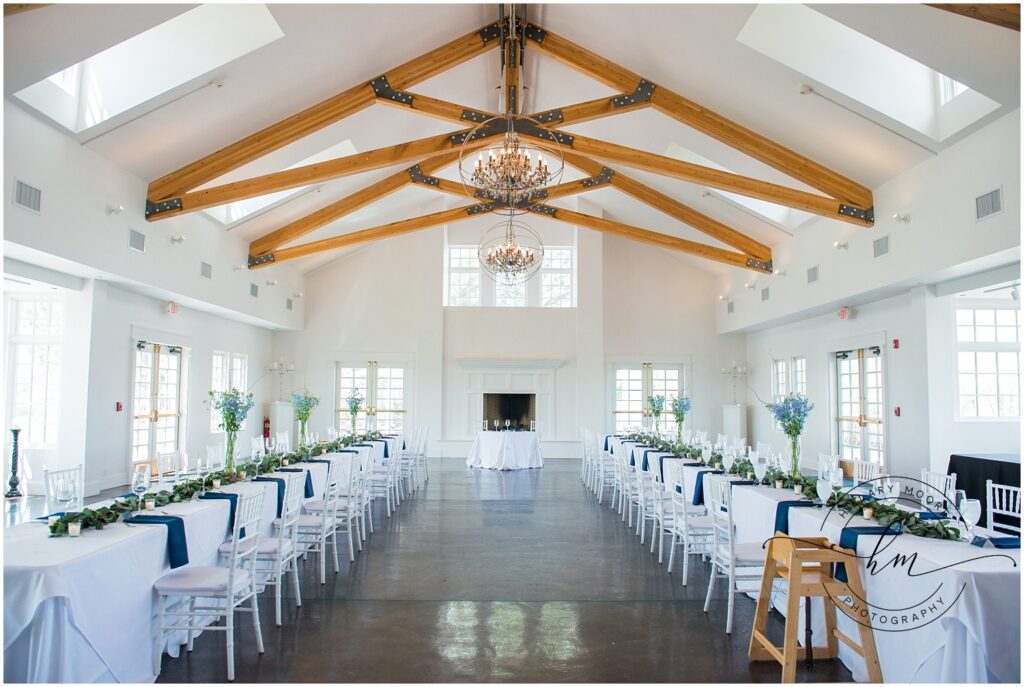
(680,407)
(303,402)
(354,401)
(233,406)
(791,413)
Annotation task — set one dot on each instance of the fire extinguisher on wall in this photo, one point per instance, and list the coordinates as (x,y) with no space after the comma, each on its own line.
(266,427)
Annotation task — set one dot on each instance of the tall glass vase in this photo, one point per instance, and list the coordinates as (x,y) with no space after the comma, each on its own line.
(353,416)
(302,432)
(230,438)
(794,455)
(679,429)
(657,425)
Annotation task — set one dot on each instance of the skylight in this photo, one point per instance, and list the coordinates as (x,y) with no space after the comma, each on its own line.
(779,215)
(232,213)
(861,68)
(150,64)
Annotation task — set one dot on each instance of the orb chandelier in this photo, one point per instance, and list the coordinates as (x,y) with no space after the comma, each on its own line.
(511,172)
(510,252)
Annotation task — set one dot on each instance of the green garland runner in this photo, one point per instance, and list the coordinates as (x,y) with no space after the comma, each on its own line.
(97,518)
(887,513)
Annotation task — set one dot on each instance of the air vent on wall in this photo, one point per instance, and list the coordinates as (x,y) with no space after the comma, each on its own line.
(812,275)
(254,290)
(988,204)
(205,270)
(288,303)
(729,307)
(136,240)
(881,246)
(765,295)
(28,197)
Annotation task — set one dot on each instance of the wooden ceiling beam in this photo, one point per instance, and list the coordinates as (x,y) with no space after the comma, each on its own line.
(385,231)
(704,120)
(349,204)
(321,115)
(12,8)
(315,173)
(714,178)
(1005,15)
(586,111)
(654,238)
(673,208)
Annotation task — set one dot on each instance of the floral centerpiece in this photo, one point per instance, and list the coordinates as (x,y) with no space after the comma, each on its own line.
(680,407)
(303,402)
(657,407)
(233,406)
(354,402)
(791,413)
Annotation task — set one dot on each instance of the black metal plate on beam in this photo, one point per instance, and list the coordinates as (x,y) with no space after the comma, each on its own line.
(521,125)
(544,210)
(482,207)
(474,116)
(489,33)
(535,33)
(418,177)
(383,89)
(857,213)
(260,260)
(550,116)
(603,178)
(513,102)
(642,94)
(162,206)
(764,266)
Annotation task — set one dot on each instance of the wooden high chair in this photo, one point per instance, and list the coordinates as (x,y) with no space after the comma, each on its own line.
(805,565)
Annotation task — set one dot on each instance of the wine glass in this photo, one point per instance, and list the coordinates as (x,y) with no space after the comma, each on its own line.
(760,470)
(257,461)
(140,483)
(970,511)
(271,442)
(824,487)
(203,468)
(65,492)
(332,433)
(728,458)
(507,424)
(496,423)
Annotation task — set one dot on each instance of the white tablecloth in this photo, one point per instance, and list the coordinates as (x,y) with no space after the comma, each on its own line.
(505,451)
(82,610)
(977,640)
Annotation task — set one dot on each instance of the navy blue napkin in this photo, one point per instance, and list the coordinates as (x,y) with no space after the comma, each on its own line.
(698,487)
(742,482)
(606,442)
(308,493)
(45,518)
(848,540)
(177,547)
(644,465)
(1005,542)
(233,502)
(318,460)
(281,484)
(782,513)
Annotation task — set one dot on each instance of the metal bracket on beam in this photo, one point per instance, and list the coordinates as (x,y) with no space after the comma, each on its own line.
(474,116)
(521,125)
(550,116)
(482,207)
(642,94)
(762,265)
(383,89)
(153,209)
(544,210)
(260,260)
(603,178)
(535,33)
(418,177)
(489,33)
(857,213)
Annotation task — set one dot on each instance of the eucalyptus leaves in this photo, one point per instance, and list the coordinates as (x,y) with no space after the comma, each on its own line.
(887,514)
(97,518)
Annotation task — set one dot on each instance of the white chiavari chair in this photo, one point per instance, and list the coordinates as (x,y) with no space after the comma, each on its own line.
(282,442)
(66,487)
(865,471)
(233,585)
(258,447)
(722,441)
(700,437)
(318,527)
(1002,500)
(940,483)
(764,448)
(729,559)
(689,529)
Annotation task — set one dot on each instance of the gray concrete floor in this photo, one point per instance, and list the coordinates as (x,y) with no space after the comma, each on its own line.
(487,576)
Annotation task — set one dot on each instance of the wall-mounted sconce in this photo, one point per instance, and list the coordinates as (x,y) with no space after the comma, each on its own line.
(178,239)
(271,282)
(841,245)
(903,218)
(115,209)
(297,294)
(749,285)
(779,273)
(722,298)
(239,268)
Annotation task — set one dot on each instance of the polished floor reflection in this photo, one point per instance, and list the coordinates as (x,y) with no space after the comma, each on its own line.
(498,576)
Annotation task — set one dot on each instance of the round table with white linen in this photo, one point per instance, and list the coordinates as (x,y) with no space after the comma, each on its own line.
(505,451)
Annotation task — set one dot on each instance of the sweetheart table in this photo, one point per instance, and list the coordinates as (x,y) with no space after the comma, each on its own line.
(505,451)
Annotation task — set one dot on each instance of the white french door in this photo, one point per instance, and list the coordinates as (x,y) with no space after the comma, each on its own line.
(860,429)
(157,408)
(634,387)
(383,388)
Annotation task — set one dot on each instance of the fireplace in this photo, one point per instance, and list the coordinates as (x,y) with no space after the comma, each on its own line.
(520,409)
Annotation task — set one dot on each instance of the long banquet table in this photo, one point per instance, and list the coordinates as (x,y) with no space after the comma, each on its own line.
(505,451)
(82,609)
(976,640)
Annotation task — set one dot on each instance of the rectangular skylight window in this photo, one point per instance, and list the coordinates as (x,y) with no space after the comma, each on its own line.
(861,68)
(784,217)
(233,213)
(150,64)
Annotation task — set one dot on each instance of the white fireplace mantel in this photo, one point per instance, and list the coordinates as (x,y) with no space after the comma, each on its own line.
(536,364)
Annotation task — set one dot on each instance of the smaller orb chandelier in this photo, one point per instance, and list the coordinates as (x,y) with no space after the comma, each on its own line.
(510,171)
(511,252)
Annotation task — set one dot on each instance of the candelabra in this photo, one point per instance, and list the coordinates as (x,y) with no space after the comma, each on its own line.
(735,371)
(280,368)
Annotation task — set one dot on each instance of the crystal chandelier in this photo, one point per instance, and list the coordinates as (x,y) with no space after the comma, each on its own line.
(511,252)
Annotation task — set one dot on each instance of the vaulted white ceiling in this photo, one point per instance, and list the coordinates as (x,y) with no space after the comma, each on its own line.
(691,49)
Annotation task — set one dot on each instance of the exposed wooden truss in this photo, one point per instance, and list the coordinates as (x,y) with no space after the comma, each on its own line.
(1005,15)
(12,8)
(177,193)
